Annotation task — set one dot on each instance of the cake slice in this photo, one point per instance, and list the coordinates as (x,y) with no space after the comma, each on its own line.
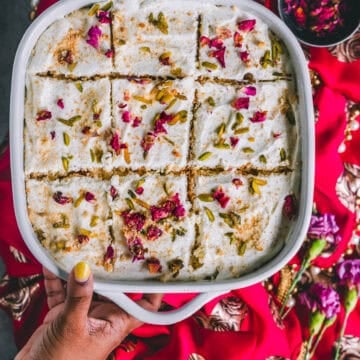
(155,42)
(153,226)
(237,45)
(242,224)
(152,122)
(245,125)
(71,219)
(78,45)
(65,125)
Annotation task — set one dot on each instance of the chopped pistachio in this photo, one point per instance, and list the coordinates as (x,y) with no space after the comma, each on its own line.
(261,182)
(63,224)
(242,248)
(65,163)
(175,266)
(142,99)
(66,139)
(85,232)
(166,189)
(79,200)
(162,24)
(72,66)
(94,9)
(131,194)
(205,156)
(70,122)
(213,276)
(142,203)
(79,86)
(169,140)
(127,155)
(210,100)
(222,145)
(167,98)
(209,65)
(209,214)
(182,115)
(145,49)
(231,237)
(206,197)
(129,203)
(140,182)
(176,72)
(221,130)
(241,131)
(94,220)
(107,6)
(248,150)
(143,107)
(180,231)
(92,155)
(282,154)
(266,59)
(98,154)
(262,159)
(164,56)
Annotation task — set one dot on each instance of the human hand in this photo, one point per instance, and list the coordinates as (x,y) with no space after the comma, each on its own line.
(76,327)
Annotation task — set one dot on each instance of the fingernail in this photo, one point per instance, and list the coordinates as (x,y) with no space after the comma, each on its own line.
(82,272)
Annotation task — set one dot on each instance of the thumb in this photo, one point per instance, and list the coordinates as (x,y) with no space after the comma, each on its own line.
(79,293)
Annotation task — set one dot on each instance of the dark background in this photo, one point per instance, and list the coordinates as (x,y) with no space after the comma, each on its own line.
(14,19)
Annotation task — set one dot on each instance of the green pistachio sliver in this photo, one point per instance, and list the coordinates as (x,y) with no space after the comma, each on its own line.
(206,197)
(121,42)
(79,200)
(98,154)
(227,219)
(243,130)
(98,123)
(140,183)
(63,224)
(132,194)
(145,49)
(66,139)
(79,86)
(162,24)
(180,231)
(231,237)
(107,6)
(143,107)
(266,59)
(142,99)
(182,114)
(171,104)
(70,122)
(166,189)
(262,159)
(221,130)
(94,9)
(282,154)
(176,72)
(242,248)
(248,150)
(92,155)
(210,100)
(209,214)
(65,163)
(222,145)
(129,203)
(72,66)
(205,156)
(209,65)
(169,140)
(94,220)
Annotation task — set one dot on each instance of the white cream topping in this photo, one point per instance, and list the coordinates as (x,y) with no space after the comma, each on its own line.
(44,154)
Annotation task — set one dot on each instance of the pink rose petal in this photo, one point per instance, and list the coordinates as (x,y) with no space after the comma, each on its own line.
(259,116)
(241,103)
(246,25)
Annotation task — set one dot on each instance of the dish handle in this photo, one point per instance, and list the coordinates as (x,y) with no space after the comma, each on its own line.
(161,318)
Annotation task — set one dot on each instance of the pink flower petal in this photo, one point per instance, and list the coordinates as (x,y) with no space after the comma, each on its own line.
(60,103)
(89,197)
(153,232)
(220,196)
(219,55)
(259,116)
(244,56)
(104,17)
(136,122)
(237,182)
(115,142)
(133,220)
(113,192)
(94,35)
(109,53)
(43,115)
(139,190)
(53,135)
(148,141)
(250,90)
(238,39)
(126,116)
(61,199)
(136,248)
(246,25)
(204,40)
(241,103)
(234,141)
(216,43)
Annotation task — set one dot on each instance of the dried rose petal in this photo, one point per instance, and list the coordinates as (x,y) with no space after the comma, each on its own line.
(136,248)
(153,265)
(234,141)
(250,90)
(159,212)
(89,197)
(153,232)
(94,35)
(122,105)
(43,115)
(110,53)
(110,254)
(60,103)
(83,239)
(139,190)
(179,212)
(219,55)
(136,122)
(241,103)
(216,43)
(237,182)
(53,135)
(104,17)
(115,142)
(61,199)
(148,141)
(86,130)
(290,207)
(96,116)
(113,192)
(244,56)
(276,135)
(259,116)
(204,40)
(238,39)
(126,116)
(246,25)
(220,196)
(134,220)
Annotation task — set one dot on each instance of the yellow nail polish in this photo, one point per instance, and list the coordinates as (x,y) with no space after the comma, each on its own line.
(82,272)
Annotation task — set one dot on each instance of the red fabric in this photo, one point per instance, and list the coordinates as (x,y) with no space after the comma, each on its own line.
(260,334)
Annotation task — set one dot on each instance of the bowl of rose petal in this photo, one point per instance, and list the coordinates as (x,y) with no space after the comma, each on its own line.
(321,22)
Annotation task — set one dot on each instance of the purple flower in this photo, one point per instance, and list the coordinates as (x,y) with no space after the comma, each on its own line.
(324,227)
(322,298)
(94,34)
(349,272)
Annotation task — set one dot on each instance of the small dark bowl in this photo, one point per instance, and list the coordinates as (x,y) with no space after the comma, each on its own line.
(351,24)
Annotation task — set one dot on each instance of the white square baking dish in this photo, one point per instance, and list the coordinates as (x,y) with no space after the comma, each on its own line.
(207,289)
